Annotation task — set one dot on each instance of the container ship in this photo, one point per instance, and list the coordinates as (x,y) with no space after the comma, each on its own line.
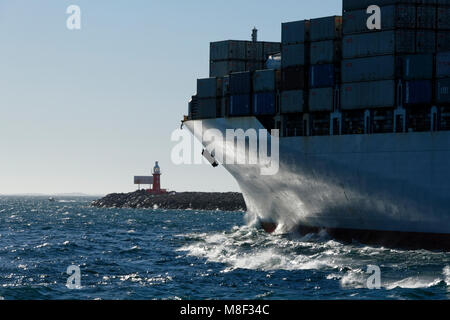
(363,116)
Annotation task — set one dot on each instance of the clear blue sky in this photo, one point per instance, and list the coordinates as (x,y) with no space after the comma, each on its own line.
(84,111)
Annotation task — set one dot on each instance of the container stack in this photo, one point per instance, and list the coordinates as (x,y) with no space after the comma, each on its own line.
(225,100)
(240,89)
(207,104)
(238,56)
(265,92)
(338,73)
(443,64)
(443,26)
(384,69)
(324,71)
(295,58)
(417,71)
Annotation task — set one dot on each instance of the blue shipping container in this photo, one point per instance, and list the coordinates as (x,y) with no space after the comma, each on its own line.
(417,92)
(443,65)
(264,103)
(240,83)
(293,55)
(321,76)
(239,105)
(295,32)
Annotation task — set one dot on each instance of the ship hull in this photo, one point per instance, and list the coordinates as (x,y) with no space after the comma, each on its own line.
(380,183)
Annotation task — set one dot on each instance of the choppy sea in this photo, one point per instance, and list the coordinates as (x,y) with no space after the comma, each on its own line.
(161,254)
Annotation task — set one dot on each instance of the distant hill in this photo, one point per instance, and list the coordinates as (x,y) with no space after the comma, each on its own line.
(74,194)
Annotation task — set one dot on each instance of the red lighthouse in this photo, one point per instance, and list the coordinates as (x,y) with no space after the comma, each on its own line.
(157,181)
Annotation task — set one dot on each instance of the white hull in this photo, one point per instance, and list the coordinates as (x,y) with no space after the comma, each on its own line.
(379,182)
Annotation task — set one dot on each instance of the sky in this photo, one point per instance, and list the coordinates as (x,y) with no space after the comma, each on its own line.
(86,110)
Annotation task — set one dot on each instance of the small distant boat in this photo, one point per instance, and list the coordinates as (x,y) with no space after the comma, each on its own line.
(51,199)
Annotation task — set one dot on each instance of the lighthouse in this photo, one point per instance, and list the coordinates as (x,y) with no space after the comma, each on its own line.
(157,181)
(154,181)
(156,178)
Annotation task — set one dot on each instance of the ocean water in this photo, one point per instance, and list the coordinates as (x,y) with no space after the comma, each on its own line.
(160,254)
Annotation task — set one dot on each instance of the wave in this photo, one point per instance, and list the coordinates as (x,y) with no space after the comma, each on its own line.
(446,272)
(249,248)
(414,283)
(357,279)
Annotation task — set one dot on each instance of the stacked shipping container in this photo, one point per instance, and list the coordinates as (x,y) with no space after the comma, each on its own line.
(237,56)
(387,68)
(264,88)
(443,88)
(338,64)
(240,57)
(294,61)
(240,94)
(294,54)
(442,84)
(207,102)
(325,53)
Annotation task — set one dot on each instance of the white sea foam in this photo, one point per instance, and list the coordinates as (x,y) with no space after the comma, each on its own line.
(354,279)
(247,248)
(46,244)
(135,277)
(413,283)
(357,279)
(447,275)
